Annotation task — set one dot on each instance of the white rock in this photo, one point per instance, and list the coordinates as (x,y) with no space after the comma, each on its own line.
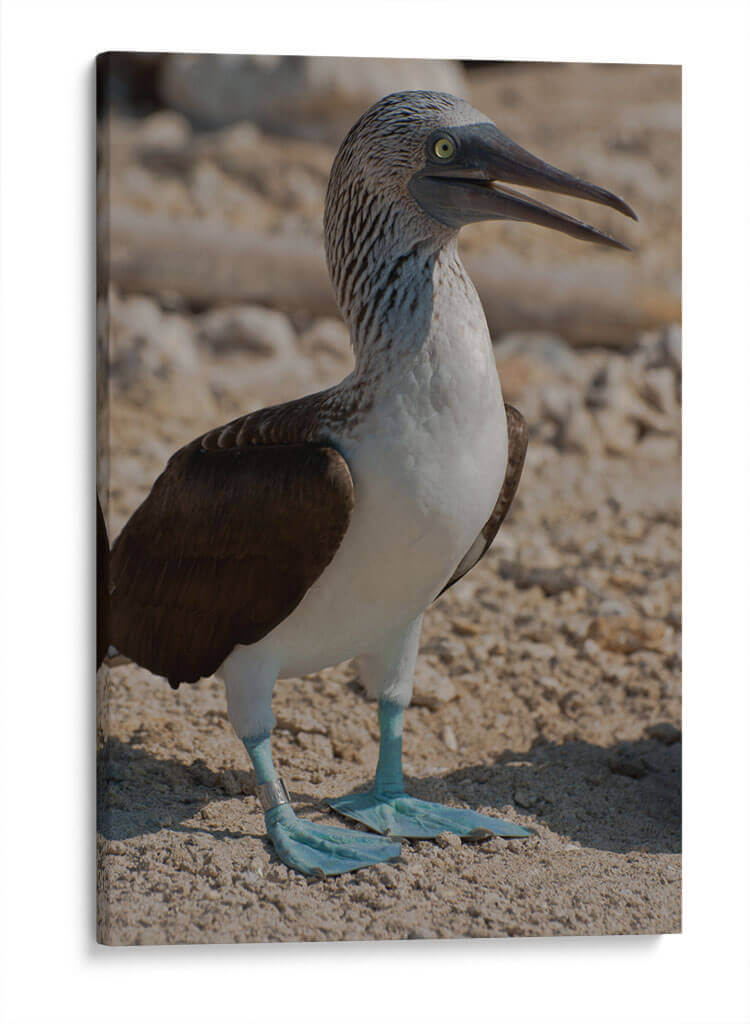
(176,343)
(239,142)
(618,433)
(164,130)
(448,840)
(673,345)
(544,652)
(558,402)
(613,607)
(547,348)
(328,337)
(659,449)
(146,341)
(659,388)
(277,873)
(138,314)
(449,738)
(524,797)
(249,329)
(582,433)
(432,688)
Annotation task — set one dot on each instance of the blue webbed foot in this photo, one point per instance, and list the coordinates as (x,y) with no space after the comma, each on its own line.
(402,816)
(387,809)
(322,851)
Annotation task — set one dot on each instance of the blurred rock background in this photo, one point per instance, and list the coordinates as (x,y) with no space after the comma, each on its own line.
(212,188)
(564,643)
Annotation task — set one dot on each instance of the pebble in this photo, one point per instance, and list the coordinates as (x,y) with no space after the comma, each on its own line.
(548,348)
(524,797)
(432,689)
(164,141)
(625,634)
(249,329)
(611,607)
(659,388)
(544,652)
(277,873)
(625,761)
(313,741)
(449,738)
(230,783)
(558,402)
(165,128)
(659,449)
(664,732)
(327,337)
(147,343)
(387,876)
(619,434)
(448,839)
(552,581)
(463,627)
(672,341)
(449,649)
(582,432)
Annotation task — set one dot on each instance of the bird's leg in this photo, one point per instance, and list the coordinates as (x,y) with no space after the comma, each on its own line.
(302,845)
(389,778)
(306,847)
(386,807)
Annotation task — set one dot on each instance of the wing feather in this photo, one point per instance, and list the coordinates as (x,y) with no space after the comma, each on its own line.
(223,549)
(518,440)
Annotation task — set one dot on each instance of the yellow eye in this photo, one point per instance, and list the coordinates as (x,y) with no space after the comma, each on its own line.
(444,148)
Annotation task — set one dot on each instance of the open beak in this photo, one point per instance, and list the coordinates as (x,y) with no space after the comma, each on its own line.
(474,186)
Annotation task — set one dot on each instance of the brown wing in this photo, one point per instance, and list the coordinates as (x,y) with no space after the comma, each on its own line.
(231,537)
(518,439)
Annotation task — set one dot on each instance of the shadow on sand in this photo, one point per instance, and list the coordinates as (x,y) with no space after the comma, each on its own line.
(617,799)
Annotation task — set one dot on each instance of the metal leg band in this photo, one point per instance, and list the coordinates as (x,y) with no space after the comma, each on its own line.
(273,794)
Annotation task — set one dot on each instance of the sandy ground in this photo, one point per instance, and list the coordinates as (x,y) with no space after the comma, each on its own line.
(543,726)
(548,684)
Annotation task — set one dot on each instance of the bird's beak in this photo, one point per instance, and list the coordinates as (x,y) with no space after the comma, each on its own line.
(473,186)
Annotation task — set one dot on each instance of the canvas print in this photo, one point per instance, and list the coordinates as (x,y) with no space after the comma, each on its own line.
(388,499)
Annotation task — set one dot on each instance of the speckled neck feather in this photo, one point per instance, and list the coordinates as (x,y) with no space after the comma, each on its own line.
(381,248)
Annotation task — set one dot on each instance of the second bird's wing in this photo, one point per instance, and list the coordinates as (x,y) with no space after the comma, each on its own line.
(233,534)
(518,439)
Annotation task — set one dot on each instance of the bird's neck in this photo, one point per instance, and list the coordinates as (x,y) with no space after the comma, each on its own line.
(400,302)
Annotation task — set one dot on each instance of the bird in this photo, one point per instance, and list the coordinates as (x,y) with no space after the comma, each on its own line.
(320,530)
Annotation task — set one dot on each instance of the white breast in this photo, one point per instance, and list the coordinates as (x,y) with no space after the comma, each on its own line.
(428,462)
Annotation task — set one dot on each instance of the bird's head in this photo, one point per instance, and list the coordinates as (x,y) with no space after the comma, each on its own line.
(429,163)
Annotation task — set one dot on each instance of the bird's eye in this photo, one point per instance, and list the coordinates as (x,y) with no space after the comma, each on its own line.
(444,148)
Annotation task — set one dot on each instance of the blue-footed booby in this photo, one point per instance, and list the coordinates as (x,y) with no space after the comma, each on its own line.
(305,534)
